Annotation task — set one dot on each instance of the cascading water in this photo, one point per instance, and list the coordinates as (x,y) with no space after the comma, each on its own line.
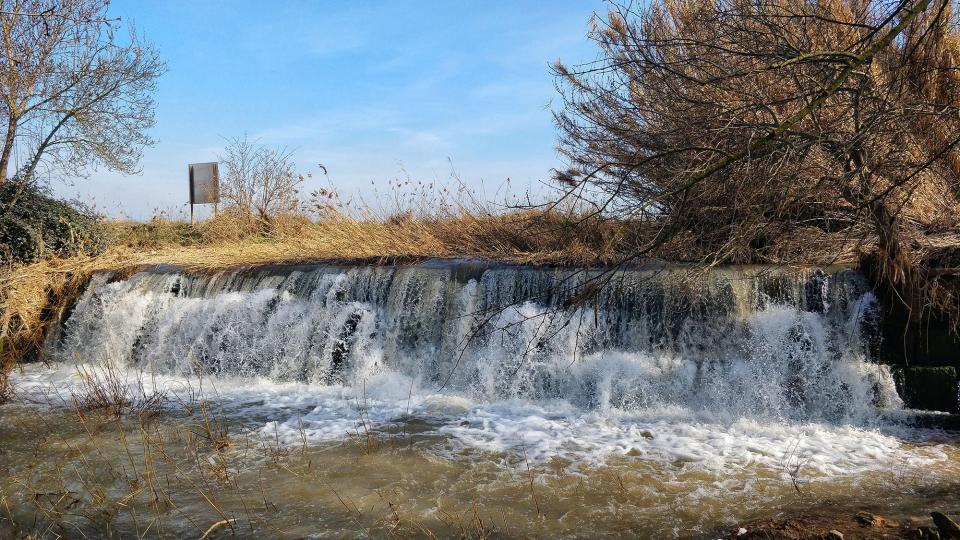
(667,402)
(737,341)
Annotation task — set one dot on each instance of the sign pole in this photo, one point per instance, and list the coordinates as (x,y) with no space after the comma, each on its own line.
(190,174)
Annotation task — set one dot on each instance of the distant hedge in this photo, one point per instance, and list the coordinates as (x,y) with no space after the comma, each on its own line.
(34,225)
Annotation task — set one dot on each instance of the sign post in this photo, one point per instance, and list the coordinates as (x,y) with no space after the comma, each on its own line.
(204,186)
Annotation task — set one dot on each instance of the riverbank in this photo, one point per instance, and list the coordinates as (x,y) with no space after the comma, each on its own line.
(837,520)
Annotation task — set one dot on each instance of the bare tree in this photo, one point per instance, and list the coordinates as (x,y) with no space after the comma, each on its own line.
(75,90)
(258,181)
(740,122)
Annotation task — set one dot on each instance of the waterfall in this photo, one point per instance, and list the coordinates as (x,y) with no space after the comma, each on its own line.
(742,342)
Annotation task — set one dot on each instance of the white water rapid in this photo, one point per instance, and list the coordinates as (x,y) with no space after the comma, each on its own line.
(730,368)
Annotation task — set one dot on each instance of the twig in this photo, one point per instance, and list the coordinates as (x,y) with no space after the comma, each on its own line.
(216,526)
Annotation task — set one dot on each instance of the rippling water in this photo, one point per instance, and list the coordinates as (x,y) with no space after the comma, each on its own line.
(459,397)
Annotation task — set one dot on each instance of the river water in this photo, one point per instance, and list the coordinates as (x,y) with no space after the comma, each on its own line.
(463,398)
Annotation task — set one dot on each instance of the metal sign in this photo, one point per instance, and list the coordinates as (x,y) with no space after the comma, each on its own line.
(204,183)
(204,186)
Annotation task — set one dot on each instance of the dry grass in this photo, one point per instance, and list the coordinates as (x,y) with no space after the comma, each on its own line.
(229,241)
(105,389)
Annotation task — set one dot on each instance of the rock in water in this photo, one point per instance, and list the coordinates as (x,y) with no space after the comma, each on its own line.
(949,530)
(867,519)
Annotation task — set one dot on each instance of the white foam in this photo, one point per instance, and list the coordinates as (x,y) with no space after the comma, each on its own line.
(542,430)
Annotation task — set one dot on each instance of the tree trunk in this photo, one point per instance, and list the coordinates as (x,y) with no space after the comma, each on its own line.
(7,147)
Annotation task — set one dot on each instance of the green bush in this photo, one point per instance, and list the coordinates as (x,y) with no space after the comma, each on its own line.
(34,225)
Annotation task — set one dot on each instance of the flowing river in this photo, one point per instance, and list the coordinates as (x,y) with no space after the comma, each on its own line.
(464,398)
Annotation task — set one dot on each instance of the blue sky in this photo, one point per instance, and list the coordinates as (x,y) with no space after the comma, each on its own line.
(369,89)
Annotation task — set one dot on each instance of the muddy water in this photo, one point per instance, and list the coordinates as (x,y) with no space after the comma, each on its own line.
(177,471)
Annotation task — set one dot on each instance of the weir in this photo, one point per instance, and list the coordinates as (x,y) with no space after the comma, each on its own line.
(665,401)
(735,342)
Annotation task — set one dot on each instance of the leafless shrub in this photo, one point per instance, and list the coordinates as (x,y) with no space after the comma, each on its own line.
(212,429)
(364,436)
(258,181)
(470,524)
